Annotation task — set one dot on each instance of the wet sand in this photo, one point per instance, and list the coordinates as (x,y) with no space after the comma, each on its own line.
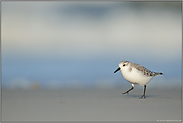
(91,105)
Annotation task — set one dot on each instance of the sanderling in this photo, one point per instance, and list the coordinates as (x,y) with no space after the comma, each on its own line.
(136,74)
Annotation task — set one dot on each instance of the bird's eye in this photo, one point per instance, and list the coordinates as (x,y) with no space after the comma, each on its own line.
(124,65)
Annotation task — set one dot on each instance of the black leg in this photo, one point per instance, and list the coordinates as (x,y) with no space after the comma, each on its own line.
(129,89)
(144,93)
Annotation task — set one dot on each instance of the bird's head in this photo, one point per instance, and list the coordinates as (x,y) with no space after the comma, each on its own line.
(122,65)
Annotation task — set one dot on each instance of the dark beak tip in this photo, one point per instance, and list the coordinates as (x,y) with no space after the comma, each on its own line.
(117,70)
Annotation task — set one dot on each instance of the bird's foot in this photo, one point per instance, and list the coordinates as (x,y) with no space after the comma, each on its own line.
(142,97)
(125,92)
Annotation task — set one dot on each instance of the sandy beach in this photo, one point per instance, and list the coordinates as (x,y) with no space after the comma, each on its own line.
(92,104)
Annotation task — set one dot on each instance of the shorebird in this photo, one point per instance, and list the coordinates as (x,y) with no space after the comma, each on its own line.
(136,74)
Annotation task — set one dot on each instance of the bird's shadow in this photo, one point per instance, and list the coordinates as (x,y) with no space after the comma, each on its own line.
(138,96)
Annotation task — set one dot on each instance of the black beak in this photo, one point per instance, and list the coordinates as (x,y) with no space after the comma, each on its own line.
(117,70)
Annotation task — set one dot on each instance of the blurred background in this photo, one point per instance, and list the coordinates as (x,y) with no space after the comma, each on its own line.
(59,44)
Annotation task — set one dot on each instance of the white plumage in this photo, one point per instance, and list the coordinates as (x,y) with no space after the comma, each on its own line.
(136,74)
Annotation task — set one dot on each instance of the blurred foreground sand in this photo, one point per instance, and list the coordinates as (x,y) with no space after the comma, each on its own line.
(91,105)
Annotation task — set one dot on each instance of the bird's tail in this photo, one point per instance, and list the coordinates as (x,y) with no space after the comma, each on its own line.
(156,74)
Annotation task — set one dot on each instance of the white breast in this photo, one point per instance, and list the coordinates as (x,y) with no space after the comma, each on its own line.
(134,76)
